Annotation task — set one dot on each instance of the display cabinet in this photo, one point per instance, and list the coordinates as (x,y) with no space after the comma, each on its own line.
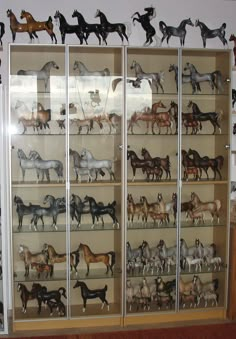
(177,243)
(99,138)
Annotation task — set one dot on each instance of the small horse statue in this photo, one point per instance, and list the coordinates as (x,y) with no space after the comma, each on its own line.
(144,20)
(86,293)
(2,31)
(35,26)
(233,38)
(179,31)
(121,29)
(18,27)
(66,28)
(207,33)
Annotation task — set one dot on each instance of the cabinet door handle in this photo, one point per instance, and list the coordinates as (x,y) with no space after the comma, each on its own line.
(227,146)
(120,147)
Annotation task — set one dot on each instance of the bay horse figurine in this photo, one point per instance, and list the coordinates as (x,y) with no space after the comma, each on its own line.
(144,20)
(43,116)
(233,38)
(158,162)
(98,210)
(2,31)
(42,74)
(213,117)
(108,258)
(207,33)
(214,78)
(136,162)
(66,28)
(43,295)
(121,29)
(205,162)
(26,295)
(133,209)
(156,78)
(35,26)
(87,29)
(86,294)
(180,31)
(18,27)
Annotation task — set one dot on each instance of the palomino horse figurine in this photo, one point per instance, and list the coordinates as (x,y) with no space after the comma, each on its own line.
(107,258)
(17,27)
(29,258)
(65,28)
(233,38)
(179,31)
(42,74)
(214,78)
(2,31)
(207,33)
(156,78)
(86,293)
(144,20)
(121,29)
(213,207)
(35,26)
(87,29)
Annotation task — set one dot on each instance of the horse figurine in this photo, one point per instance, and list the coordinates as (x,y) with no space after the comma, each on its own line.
(43,295)
(107,258)
(98,210)
(86,293)
(136,162)
(121,29)
(214,78)
(35,26)
(26,295)
(29,258)
(144,20)
(41,164)
(2,31)
(164,163)
(42,74)
(179,31)
(233,38)
(43,116)
(65,28)
(17,27)
(83,70)
(156,78)
(213,206)
(186,78)
(207,33)
(87,29)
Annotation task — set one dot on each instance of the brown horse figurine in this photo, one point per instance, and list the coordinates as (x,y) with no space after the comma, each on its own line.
(18,27)
(164,163)
(43,116)
(233,38)
(35,26)
(133,209)
(213,207)
(91,257)
(29,258)
(26,295)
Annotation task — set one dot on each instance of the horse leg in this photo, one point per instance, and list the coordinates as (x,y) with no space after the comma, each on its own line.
(84,303)
(87,273)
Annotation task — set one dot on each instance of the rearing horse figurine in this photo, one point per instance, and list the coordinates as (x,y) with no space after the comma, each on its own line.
(34,26)
(144,20)
(207,33)
(179,31)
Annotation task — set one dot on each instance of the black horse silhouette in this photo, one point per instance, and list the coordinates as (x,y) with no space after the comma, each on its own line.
(179,31)
(207,33)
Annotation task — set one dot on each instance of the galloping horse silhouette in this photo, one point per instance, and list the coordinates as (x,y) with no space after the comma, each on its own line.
(179,31)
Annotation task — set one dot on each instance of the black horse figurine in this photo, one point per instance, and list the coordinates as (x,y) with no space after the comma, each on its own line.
(97,210)
(86,293)
(179,31)
(65,28)
(207,33)
(86,28)
(144,20)
(107,27)
(2,31)
(233,97)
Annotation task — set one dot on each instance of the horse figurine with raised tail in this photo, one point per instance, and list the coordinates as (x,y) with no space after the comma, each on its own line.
(207,33)
(180,31)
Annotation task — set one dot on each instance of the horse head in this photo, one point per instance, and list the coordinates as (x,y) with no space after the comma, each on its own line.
(9,13)
(197,23)
(57,15)
(97,14)
(23,14)
(133,65)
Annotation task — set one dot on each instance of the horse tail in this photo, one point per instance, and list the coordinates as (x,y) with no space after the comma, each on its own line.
(91,124)
(162,76)
(168,160)
(218,204)
(49,114)
(162,27)
(113,258)
(49,23)
(128,28)
(113,204)
(223,27)
(2,28)
(218,80)
(214,249)
(215,283)
(62,290)
(219,115)
(105,288)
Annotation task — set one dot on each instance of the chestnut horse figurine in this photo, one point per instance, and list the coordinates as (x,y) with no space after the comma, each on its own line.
(18,27)
(91,257)
(233,38)
(34,26)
